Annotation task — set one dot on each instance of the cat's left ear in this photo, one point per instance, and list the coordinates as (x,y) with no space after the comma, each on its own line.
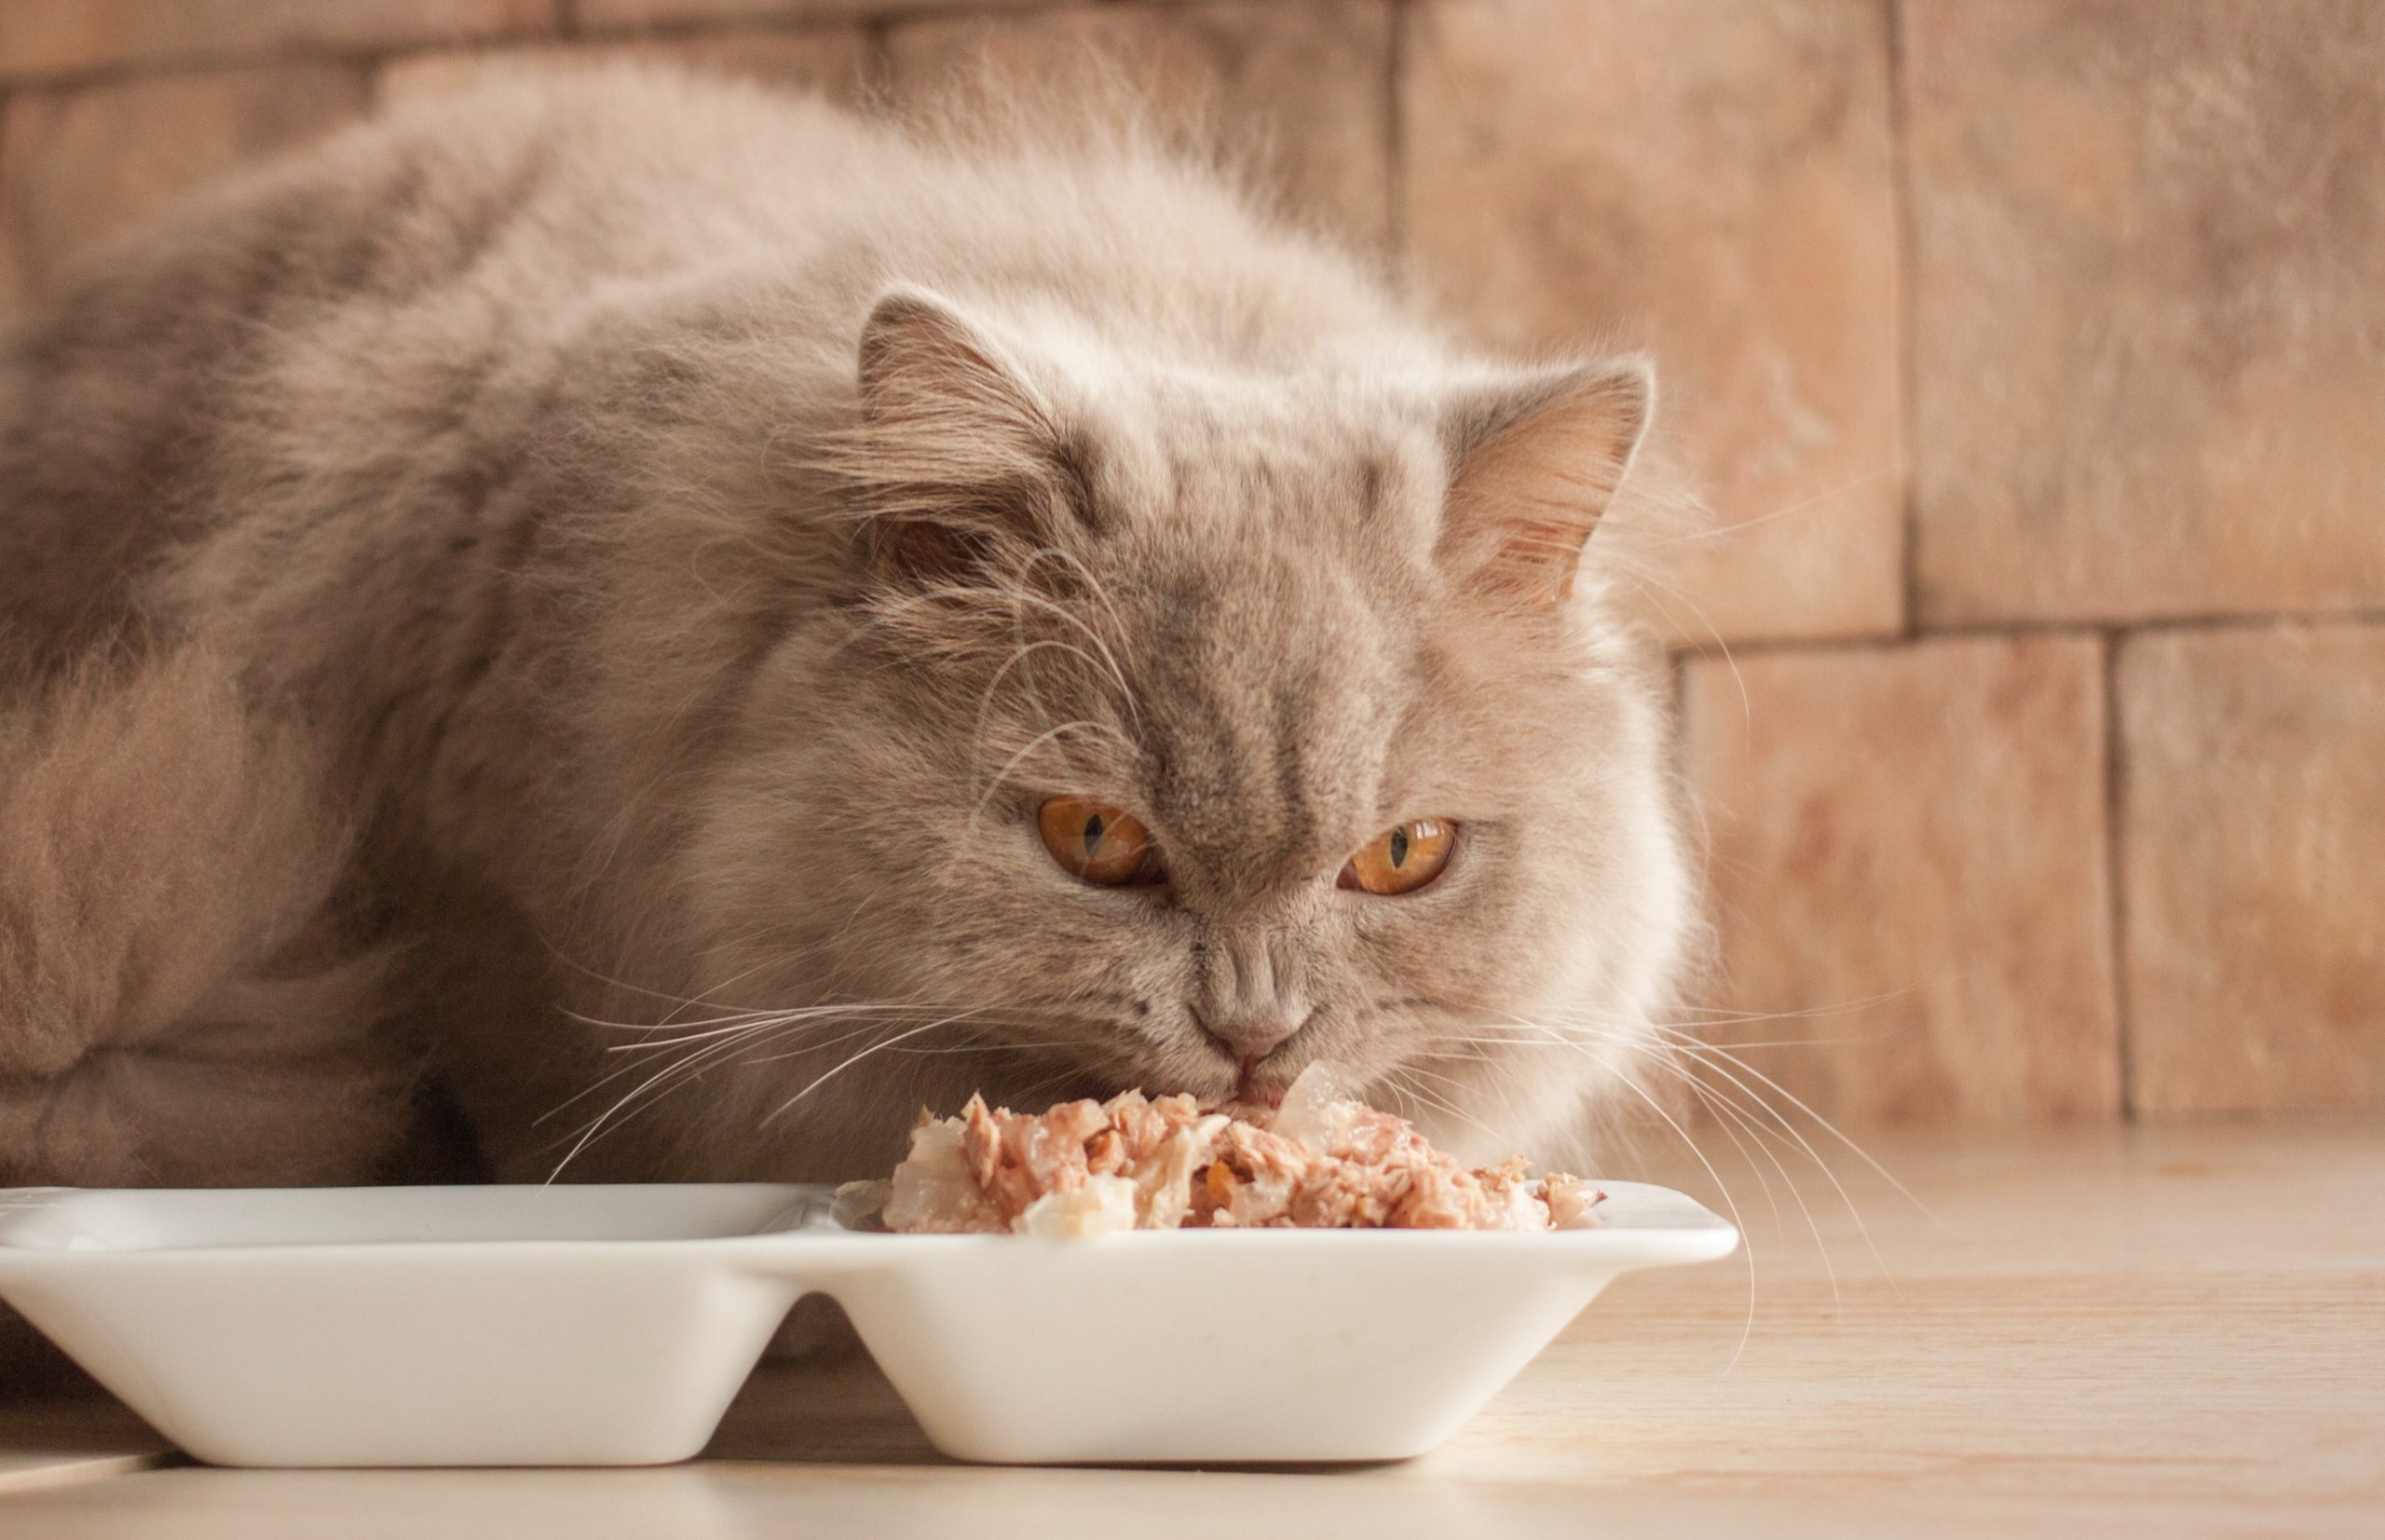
(958,451)
(1533,469)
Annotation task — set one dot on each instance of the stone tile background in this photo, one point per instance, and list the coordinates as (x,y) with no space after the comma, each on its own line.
(2031,649)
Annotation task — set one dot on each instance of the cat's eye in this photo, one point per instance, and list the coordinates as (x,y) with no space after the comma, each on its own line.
(1401,859)
(1098,842)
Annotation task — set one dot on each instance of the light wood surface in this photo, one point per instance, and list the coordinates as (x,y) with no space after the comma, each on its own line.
(2141,1332)
(57,1443)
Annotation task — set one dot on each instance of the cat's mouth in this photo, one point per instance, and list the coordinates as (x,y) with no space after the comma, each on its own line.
(1262,1077)
(1251,1091)
(1216,1073)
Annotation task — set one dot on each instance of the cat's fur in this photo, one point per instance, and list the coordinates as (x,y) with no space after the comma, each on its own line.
(632,551)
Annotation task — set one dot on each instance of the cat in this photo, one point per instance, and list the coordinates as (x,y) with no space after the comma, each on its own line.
(630,626)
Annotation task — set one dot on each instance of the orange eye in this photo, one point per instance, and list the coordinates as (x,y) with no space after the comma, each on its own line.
(1098,842)
(1401,859)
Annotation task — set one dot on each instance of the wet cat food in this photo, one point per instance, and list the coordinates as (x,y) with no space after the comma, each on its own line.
(1164,1163)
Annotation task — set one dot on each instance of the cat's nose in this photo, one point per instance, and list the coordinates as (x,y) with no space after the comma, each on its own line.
(1249,1039)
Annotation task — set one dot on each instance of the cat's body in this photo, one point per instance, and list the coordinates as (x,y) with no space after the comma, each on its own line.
(459,588)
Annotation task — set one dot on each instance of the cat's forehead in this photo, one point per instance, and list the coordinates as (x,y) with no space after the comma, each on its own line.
(1271,690)
(1271,561)
(1301,457)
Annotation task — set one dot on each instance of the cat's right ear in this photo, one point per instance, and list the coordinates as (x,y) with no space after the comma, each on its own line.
(957,453)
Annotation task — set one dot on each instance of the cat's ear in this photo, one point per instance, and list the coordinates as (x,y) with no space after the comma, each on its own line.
(957,451)
(1532,469)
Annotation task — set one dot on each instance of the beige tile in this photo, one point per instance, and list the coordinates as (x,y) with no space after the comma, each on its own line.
(1911,842)
(633,14)
(80,165)
(61,37)
(838,61)
(2149,307)
(1298,93)
(1713,182)
(2253,824)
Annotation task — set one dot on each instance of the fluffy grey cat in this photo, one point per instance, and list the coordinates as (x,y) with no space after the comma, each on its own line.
(639,626)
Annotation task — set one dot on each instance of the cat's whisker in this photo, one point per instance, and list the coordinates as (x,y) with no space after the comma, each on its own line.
(697,1061)
(589,1133)
(1714,1053)
(1675,1021)
(1720,532)
(970,829)
(984,1047)
(672,1036)
(688,1057)
(1746,1329)
(1719,1014)
(677,1002)
(1094,586)
(852,1060)
(1691,1045)
(977,1045)
(1729,1109)
(1117,673)
(1041,717)
(662,1032)
(697,1050)
(1673,1030)
(1048,1081)
(1527,1039)
(1841,1007)
(808,1049)
(1443,1104)
(1449,1104)
(1733,1069)
(1653,1054)
(1648,580)
(1025,650)
(590,1089)
(687,1071)
(1014,597)
(729,982)
(579,967)
(1763,1182)
(1751,1110)
(1657,1053)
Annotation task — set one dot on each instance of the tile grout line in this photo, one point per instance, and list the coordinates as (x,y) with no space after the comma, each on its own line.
(139,72)
(2020,627)
(877,61)
(1395,114)
(567,27)
(878,17)
(1901,317)
(2115,892)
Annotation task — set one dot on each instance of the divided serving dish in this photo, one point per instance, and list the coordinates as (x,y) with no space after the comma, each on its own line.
(611,1324)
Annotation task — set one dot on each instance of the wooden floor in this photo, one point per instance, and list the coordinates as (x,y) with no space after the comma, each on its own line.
(2147,1334)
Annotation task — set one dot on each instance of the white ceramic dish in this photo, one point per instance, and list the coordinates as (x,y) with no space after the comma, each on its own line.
(586,1325)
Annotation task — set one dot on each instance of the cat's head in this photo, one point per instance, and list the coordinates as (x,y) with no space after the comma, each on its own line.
(1182,728)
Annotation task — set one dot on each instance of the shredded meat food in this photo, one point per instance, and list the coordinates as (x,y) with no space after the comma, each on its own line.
(1142,1163)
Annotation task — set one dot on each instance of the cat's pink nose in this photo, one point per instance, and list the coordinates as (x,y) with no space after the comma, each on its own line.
(1250,1039)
